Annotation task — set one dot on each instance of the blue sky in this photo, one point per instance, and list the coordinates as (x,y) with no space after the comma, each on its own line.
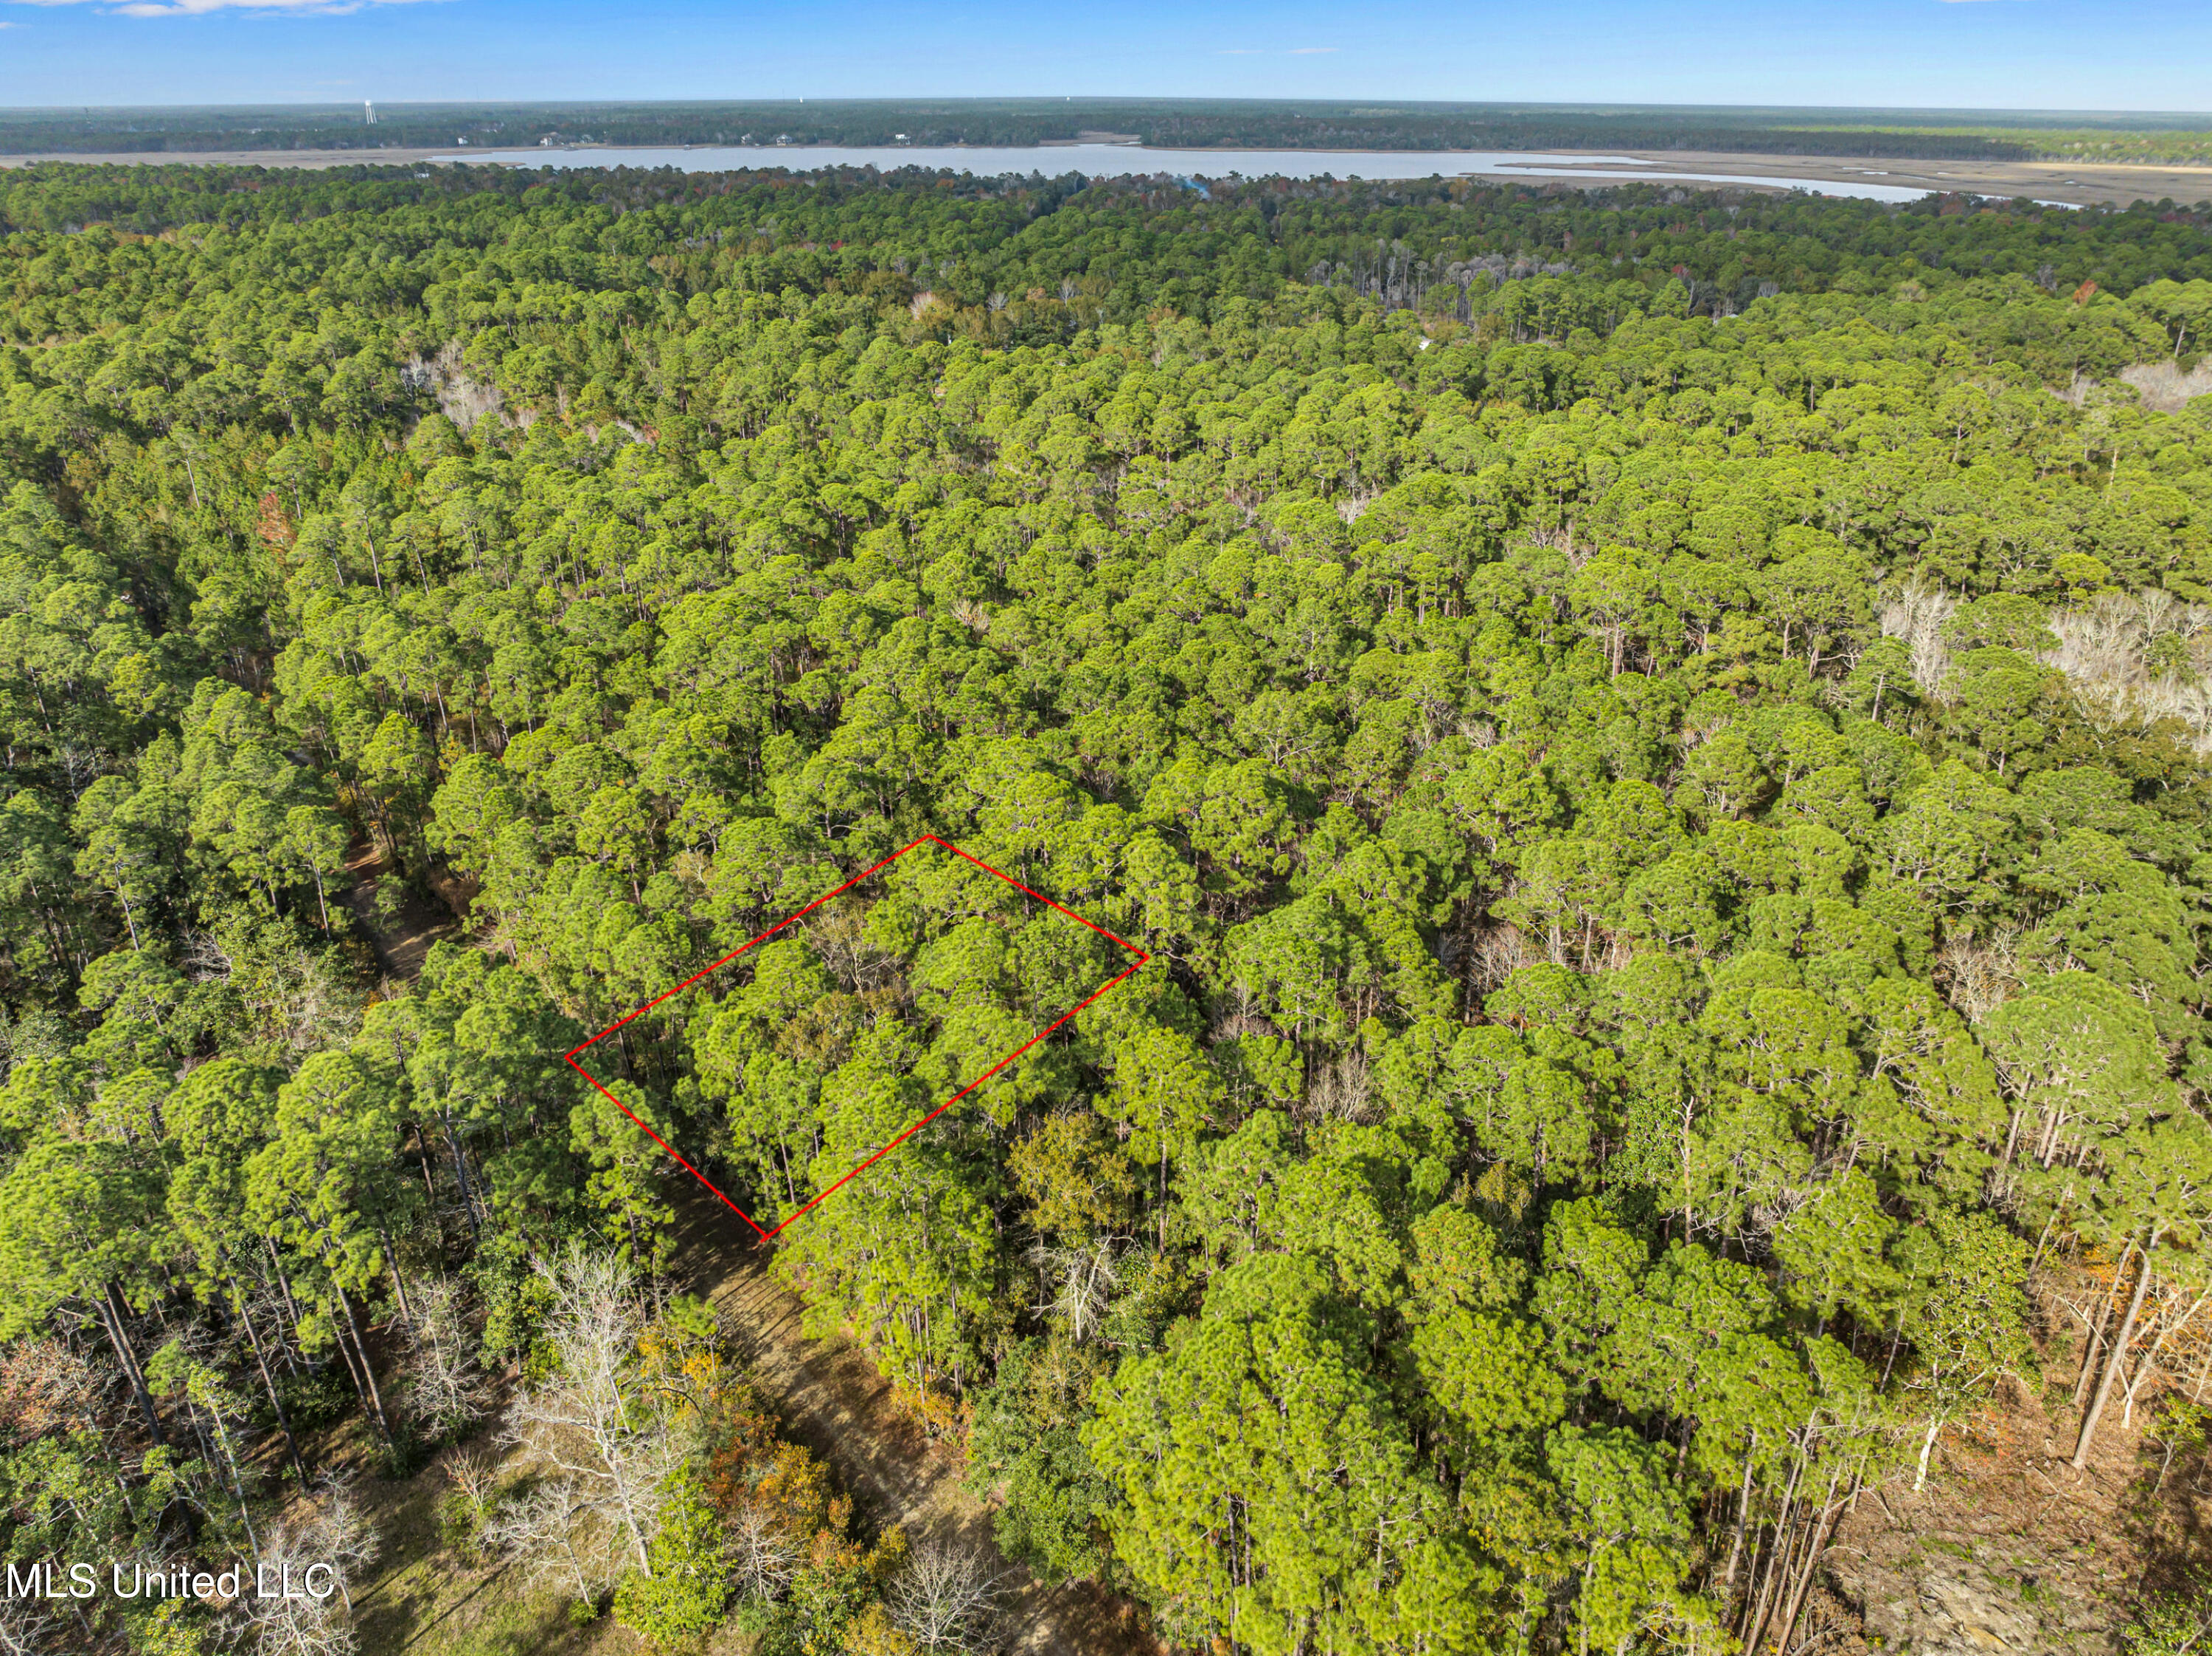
(2070,54)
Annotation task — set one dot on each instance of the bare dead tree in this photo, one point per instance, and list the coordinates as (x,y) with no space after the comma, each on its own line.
(947,1598)
(474,1476)
(448,1389)
(341,1532)
(1341,1088)
(839,937)
(584,1423)
(2135,659)
(1078,1284)
(24,1630)
(475,1479)
(763,1554)
(335,1538)
(1917,618)
(1978,976)
(559,1537)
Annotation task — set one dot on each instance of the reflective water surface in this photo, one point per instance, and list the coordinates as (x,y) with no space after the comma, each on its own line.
(1110,161)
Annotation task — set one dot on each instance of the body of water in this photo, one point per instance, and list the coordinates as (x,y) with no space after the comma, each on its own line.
(1107,161)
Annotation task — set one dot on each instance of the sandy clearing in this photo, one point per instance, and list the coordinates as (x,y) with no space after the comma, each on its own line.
(2075,182)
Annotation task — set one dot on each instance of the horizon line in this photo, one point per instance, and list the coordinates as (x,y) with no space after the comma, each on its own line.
(1343,105)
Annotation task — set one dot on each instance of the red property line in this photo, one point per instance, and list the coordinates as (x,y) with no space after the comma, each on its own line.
(839,891)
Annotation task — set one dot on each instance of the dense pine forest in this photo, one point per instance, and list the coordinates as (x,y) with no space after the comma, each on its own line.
(1656,743)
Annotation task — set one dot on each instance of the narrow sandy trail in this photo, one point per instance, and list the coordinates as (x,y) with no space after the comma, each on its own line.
(832,1401)
(401,943)
(828,1392)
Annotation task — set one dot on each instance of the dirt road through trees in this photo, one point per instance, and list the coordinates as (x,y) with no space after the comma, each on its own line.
(832,1401)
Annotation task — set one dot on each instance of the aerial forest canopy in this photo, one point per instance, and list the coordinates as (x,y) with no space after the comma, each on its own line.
(1656,744)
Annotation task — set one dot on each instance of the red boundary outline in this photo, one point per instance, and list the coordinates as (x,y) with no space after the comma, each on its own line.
(1143,957)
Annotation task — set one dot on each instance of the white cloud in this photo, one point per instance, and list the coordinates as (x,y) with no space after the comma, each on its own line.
(1310,51)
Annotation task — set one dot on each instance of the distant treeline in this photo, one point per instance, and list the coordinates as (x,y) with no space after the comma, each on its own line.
(1174,123)
(834,230)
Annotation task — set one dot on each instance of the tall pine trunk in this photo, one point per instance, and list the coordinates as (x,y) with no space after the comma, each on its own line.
(111,1317)
(369,1374)
(2096,1343)
(291,1306)
(269,1384)
(2117,1360)
(1742,1513)
(460,1170)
